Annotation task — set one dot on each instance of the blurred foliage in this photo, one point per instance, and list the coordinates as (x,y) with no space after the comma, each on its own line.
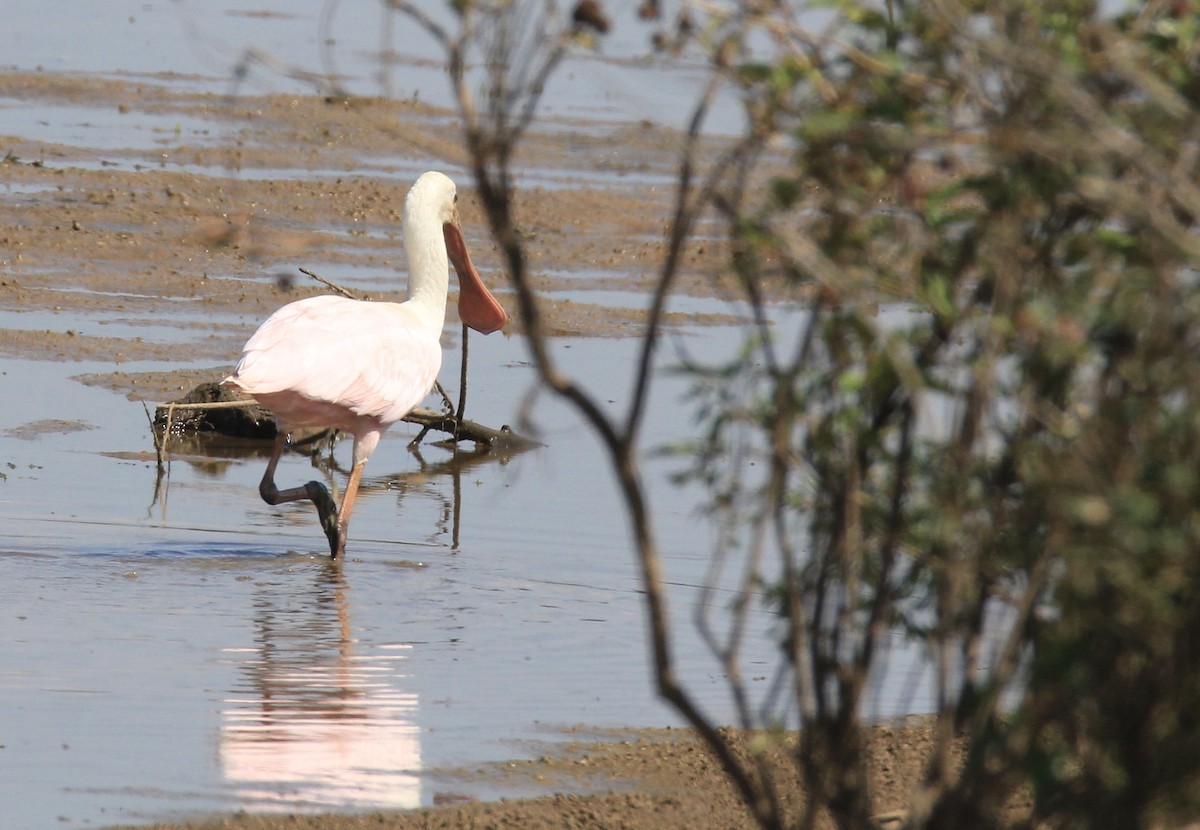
(983,430)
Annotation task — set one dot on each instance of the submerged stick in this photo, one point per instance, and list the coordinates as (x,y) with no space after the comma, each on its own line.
(460,430)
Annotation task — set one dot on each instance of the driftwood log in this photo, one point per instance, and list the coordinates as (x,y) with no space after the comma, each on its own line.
(213,408)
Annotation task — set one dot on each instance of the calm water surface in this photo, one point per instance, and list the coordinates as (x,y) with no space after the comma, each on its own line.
(175,645)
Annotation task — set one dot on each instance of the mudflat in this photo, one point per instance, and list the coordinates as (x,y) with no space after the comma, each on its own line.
(648,779)
(221,216)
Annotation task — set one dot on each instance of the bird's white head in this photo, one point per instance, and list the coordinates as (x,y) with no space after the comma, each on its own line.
(433,195)
(432,202)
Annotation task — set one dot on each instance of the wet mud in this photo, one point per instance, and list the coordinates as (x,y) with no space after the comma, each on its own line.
(183,241)
(653,779)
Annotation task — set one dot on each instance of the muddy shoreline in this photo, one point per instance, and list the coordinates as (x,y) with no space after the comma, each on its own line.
(657,779)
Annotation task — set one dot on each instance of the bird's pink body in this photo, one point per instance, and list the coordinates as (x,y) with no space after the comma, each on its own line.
(332,362)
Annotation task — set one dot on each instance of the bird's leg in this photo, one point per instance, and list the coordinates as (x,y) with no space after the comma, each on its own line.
(462,381)
(314,491)
(343,518)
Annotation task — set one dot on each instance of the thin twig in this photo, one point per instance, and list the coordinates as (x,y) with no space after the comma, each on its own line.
(446,401)
(345,292)
(466,430)
(242,404)
(158,444)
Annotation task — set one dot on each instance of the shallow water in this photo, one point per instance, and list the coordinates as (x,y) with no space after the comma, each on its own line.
(176,645)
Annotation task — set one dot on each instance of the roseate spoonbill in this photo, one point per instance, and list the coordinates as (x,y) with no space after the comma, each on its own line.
(332,362)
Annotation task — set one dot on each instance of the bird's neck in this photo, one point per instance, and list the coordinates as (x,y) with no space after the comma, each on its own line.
(428,267)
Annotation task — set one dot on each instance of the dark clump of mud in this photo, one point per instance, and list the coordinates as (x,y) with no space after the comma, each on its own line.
(236,415)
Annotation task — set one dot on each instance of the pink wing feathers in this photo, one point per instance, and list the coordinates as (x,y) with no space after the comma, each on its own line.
(375,359)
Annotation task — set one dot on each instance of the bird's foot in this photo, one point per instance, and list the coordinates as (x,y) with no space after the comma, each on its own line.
(337,541)
(327,511)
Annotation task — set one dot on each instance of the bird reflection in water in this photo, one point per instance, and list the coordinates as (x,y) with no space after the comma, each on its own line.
(312,724)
